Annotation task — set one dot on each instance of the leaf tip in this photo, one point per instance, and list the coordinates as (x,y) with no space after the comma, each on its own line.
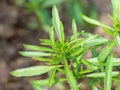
(21,53)
(25,45)
(13,73)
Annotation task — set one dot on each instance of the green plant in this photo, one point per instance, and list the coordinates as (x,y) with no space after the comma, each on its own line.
(40,8)
(66,56)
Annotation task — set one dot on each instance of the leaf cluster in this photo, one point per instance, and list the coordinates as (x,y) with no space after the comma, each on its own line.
(66,56)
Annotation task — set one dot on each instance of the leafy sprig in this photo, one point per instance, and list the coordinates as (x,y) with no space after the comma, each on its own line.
(66,56)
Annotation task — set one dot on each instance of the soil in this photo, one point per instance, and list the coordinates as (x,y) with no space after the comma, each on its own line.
(13,34)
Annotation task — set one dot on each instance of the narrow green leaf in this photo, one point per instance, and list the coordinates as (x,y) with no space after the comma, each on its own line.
(74,28)
(117,38)
(86,71)
(102,74)
(89,38)
(42,59)
(80,40)
(52,76)
(89,65)
(95,22)
(70,77)
(105,51)
(56,22)
(116,61)
(45,42)
(62,33)
(86,35)
(116,9)
(96,41)
(32,71)
(51,34)
(109,32)
(38,84)
(108,73)
(39,48)
(95,61)
(33,54)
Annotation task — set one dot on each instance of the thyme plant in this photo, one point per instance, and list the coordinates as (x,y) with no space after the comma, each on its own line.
(63,56)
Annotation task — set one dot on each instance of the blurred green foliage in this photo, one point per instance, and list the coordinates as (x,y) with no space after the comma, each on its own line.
(41,8)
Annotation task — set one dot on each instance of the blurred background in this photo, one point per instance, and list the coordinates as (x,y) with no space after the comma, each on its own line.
(25,21)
